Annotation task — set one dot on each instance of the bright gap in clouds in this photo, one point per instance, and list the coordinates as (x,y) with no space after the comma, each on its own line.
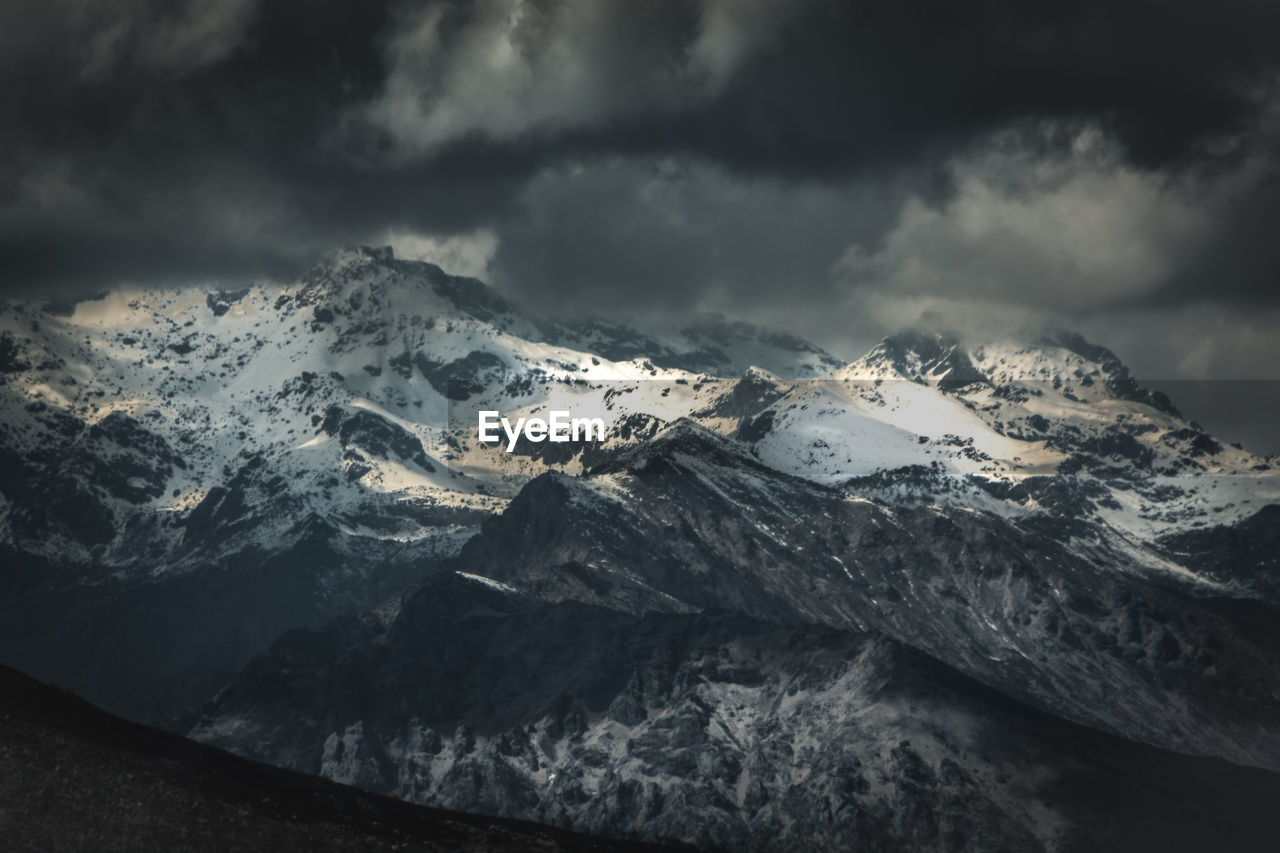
(457,254)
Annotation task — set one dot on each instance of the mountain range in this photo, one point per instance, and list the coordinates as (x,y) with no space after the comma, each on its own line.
(949,595)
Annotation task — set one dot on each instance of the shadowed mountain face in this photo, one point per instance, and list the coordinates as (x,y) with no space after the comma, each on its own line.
(711,727)
(688,521)
(76,778)
(937,596)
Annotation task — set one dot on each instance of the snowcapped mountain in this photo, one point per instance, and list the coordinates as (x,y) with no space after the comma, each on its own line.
(348,373)
(358,384)
(189,474)
(1057,428)
(294,450)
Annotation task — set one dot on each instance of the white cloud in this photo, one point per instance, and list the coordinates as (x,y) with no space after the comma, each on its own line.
(1075,230)
(457,254)
(511,68)
(730,31)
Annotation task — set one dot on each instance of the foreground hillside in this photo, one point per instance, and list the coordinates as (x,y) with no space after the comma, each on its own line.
(75,778)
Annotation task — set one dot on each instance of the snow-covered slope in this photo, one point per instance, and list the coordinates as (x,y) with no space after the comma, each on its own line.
(346,384)
(308,447)
(358,386)
(316,441)
(1056,429)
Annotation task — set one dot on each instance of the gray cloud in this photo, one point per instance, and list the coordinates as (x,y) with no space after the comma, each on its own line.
(841,170)
(1076,229)
(512,71)
(678,234)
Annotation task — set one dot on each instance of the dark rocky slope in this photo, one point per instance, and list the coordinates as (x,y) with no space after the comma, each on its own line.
(75,778)
(689,521)
(712,727)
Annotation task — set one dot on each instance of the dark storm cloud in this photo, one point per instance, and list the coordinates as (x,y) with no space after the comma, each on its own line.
(637,234)
(850,87)
(126,158)
(814,88)
(1243,265)
(146,140)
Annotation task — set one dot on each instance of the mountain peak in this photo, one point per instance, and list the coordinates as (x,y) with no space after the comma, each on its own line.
(918,356)
(1061,358)
(681,438)
(1105,365)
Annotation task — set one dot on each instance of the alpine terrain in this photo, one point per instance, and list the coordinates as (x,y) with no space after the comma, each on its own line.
(950,595)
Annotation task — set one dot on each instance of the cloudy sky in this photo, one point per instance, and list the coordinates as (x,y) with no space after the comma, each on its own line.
(837,169)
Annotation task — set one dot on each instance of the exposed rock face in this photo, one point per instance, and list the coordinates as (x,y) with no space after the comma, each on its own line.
(581,668)
(709,727)
(688,522)
(1246,555)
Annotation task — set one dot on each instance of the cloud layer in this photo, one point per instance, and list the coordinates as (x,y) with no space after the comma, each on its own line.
(839,170)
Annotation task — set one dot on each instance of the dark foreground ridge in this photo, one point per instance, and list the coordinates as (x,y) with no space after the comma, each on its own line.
(73,777)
